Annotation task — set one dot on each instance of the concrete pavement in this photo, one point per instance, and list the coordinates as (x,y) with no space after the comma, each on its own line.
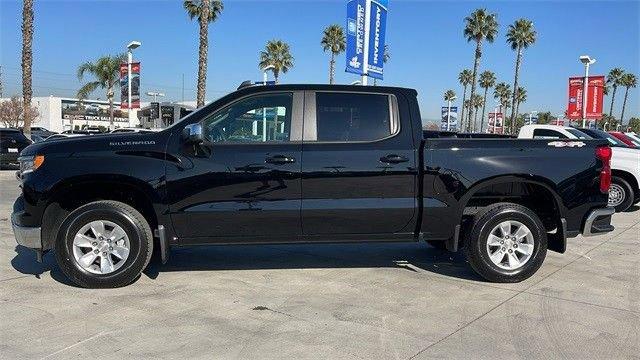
(355,301)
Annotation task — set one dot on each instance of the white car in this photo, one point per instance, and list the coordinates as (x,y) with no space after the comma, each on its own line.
(625,162)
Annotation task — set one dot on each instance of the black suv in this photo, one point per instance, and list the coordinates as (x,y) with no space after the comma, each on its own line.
(12,141)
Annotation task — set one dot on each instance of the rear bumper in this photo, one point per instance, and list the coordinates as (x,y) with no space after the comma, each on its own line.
(598,221)
(26,236)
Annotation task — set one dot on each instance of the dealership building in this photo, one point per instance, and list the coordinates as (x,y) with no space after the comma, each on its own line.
(59,114)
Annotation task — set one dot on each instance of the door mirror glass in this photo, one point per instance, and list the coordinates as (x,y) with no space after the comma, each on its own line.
(192,134)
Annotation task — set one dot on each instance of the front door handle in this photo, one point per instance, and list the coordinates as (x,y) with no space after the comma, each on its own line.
(279,159)
(393,159)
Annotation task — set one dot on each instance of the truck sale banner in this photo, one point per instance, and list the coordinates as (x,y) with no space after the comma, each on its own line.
(366,27)
(453,119)
(135,86)
(595,97)
(90,110)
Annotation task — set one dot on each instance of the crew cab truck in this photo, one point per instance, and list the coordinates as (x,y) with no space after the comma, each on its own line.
(306,164)
(625,161)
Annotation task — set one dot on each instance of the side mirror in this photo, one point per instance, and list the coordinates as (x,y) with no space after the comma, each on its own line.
(192,134)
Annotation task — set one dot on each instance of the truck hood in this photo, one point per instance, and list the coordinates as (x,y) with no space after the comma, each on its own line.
(101,142)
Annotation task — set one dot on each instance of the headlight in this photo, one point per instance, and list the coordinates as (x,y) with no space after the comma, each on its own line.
(30,163)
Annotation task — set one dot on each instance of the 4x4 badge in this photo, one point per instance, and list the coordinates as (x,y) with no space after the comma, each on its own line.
(567,144)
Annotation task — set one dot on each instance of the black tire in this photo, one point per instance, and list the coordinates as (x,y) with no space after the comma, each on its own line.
(623,192)
(441,245)
(475,247)
(129,219)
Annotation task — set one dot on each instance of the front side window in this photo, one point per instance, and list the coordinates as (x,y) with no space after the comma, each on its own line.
(260,118)
(353,117)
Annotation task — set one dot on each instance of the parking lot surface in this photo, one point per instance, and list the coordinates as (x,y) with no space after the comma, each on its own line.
(348,301)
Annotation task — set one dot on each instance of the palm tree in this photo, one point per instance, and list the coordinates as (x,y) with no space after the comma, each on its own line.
(520,98)
(479,26)
(106,71)
(520,36)
(614,79)
(333,40)
(386,55)
(207,11)
(628,81)
(464,78)
(449,95)
(502,93)
(487,80)
(27,62)
(278,55)
(476,102)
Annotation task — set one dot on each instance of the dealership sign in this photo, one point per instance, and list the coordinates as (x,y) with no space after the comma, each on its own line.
(366,27)
(595,97)
(135,86)
(495,123)
(91,111)
(450,117)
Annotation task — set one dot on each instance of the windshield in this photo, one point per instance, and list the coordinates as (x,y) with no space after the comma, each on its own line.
(579,134)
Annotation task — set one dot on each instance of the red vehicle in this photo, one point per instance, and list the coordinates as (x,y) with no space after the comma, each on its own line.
(625,139)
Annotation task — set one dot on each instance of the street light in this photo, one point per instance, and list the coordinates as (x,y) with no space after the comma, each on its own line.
(531,116)
(130,47)
(449,112)
(155,95)
(264,73)
(586,60)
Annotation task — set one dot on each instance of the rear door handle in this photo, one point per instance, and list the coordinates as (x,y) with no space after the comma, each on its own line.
(393,159)
(280,159)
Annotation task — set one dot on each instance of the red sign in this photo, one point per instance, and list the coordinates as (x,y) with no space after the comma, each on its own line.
(595,97)
(135,86)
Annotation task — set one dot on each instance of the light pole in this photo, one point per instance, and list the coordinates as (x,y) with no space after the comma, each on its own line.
(132,45)
(155,95)
(264,110)
(586,60)
(531,116)
(449,112)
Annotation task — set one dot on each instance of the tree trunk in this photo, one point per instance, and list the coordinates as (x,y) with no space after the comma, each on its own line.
(476,64)
(276,76)
(475,120)
(332,64)
(27,63)
(461,118)
(202,51)
(515,89)
(613,97)
(624,105)
(484,105)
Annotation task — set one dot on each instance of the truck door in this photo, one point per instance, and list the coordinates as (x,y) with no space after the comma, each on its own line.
(244,185)
(358,167)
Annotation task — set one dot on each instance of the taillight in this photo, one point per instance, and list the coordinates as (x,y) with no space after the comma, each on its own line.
(604,154)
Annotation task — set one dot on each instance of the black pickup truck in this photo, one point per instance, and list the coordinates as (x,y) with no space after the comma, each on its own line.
(306,164)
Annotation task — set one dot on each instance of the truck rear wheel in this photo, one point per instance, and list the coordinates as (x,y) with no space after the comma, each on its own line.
(506,243)
(104,244)
(621,194)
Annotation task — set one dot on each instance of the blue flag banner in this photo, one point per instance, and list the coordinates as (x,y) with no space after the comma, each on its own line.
(366,27)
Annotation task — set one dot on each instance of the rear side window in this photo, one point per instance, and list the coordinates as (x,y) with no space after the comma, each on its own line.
(547,134)
(353,117)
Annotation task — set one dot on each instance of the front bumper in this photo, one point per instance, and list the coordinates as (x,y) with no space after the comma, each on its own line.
(26,236)
(598,221)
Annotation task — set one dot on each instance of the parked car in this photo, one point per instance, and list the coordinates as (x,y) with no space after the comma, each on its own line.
(633,135)
(625,139)
(336,164)
(134,130)
(625,163)
(12,142)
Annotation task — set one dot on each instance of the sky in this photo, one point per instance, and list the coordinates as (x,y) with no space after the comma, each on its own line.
(425,38)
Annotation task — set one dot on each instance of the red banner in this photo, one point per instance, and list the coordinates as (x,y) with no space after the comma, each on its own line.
(595,97)
(135,86)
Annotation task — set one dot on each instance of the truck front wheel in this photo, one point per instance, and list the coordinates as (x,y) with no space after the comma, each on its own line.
(506,243)
(104,244)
